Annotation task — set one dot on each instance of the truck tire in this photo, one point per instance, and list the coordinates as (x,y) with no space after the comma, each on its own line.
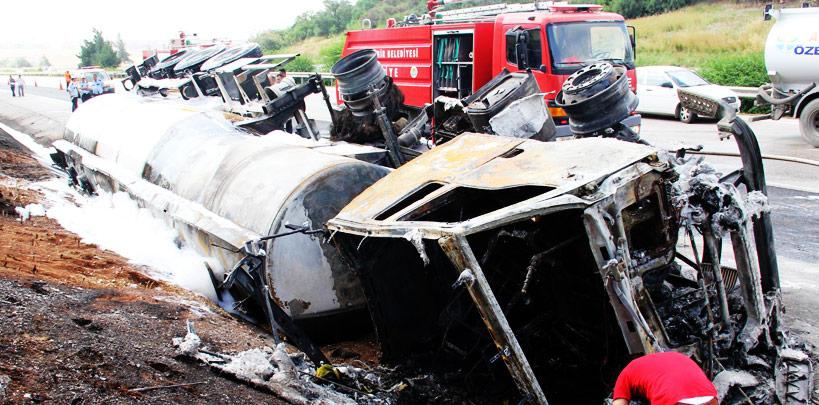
(809,123)
(230,55)
(685,115)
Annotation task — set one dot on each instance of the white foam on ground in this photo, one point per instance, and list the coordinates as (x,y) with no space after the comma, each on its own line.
(41,153)
(30,210)
(115,222)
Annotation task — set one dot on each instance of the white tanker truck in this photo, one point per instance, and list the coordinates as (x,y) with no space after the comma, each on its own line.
(792,62)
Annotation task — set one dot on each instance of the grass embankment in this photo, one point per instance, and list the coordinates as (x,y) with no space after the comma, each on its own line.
(697,35)
(318,51)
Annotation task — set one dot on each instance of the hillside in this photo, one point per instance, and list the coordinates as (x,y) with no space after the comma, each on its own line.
(695,35)
(320,51)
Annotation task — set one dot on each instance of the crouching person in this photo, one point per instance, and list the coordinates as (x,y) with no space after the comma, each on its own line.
(668,378)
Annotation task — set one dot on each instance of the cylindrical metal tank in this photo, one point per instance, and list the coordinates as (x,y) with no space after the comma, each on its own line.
(792,48)
(259,183)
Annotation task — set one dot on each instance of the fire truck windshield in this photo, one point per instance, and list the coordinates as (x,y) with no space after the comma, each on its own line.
(575,44)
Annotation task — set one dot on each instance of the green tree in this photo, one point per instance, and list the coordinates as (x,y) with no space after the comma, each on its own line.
(44,63)
(746,70)
(639,8)
(22,63)
(270,40)
(300,64)
(98,52)
(122,53)
(332,53)
(336,15)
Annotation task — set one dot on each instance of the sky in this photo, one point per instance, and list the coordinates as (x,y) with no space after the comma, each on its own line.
(47,27)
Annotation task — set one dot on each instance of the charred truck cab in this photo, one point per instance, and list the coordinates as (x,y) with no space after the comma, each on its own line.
(454,53)
(563,260)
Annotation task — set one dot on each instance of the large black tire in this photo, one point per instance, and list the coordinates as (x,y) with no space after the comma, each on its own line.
(164,69)
(195,59)
(171,60)
(809,123)
(685,115)
(251,50)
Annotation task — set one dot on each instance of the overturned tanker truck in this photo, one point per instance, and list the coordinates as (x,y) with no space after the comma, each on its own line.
(515,266)
(253,205)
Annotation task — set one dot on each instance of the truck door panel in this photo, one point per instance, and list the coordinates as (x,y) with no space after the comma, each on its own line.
(535,55)
(653,97)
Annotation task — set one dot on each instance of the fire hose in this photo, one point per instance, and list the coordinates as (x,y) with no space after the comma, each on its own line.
(764,156)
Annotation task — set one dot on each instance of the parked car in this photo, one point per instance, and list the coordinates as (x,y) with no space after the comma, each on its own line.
(657,89)
(89,72)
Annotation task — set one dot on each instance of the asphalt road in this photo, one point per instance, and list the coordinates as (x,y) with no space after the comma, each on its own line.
(795,218)
(45,92)
(778,138)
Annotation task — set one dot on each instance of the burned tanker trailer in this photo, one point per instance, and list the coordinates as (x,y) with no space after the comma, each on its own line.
(532,271)
(254,206)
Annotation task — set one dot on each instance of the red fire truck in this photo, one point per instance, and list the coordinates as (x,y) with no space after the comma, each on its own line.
(179,43)
(455,52)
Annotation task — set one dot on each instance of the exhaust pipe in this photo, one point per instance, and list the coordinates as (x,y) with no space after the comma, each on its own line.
(366,90)
(358,73)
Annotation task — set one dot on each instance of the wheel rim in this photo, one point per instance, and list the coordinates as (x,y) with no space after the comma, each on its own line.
(684,114)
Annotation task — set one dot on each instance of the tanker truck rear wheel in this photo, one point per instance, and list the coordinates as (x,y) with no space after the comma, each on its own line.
(809,123)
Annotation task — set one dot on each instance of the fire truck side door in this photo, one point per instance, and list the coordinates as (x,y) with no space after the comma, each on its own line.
(524,44)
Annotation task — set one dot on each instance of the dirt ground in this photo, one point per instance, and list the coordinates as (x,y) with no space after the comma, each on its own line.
(82,325)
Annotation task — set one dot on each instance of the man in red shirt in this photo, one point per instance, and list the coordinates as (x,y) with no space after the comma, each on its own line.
(668,378)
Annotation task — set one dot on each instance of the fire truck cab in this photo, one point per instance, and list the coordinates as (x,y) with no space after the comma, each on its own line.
(455,52)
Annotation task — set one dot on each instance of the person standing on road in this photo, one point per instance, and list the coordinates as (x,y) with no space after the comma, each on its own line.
(67,78)
(21,86)
(11,84)
(85,91)
(667,378)
(97,86)
(74,93)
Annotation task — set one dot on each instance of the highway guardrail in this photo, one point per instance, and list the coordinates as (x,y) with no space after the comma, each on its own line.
(745,92)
